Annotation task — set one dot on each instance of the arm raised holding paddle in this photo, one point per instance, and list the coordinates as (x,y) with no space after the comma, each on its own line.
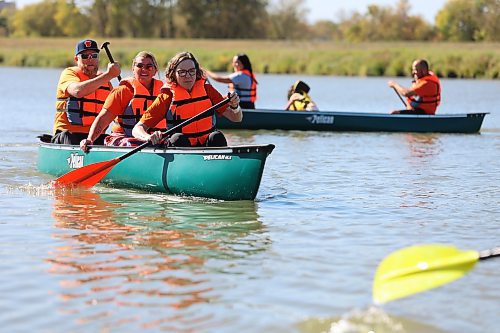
(81,92)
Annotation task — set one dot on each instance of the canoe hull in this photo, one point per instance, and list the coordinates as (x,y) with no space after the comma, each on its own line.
(227,173)
(351,121)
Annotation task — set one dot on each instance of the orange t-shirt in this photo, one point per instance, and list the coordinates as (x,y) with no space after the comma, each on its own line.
(61,122)
(116,103)
(158,110)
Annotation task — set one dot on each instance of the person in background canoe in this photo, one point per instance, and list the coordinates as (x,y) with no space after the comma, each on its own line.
(242,81)
(81,92)
(127,103)
(424,95)
(299,99)
(186,94)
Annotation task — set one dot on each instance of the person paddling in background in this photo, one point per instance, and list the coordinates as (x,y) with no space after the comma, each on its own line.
(299,99)
(127,103)
(81,92)
(242,81)
(424,95)
(186,94)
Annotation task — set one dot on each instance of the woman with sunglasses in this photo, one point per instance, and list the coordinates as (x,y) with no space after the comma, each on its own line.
(127,103)
(242,81)
(186,94)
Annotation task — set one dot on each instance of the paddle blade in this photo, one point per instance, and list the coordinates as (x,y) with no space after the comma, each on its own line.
(88,175)
(419,268)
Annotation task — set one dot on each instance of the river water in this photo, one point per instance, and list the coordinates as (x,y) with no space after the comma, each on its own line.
(301,258)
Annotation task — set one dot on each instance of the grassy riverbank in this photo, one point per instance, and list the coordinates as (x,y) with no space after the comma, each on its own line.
(464,60)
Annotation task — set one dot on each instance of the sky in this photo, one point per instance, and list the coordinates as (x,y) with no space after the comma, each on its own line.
(329,9)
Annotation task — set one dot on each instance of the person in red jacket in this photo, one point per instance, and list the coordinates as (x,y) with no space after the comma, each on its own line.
(424,95)
(186,94)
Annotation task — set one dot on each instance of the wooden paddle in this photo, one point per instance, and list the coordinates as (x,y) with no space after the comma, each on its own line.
(110,57)
(91,174)
(422,267)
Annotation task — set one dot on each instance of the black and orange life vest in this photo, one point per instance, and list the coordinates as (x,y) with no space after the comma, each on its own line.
(251,92)
(188,104)
(428,98)
(82,111)
(141,100)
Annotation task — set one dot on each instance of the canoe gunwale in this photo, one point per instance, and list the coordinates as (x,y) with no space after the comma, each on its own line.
(268,148)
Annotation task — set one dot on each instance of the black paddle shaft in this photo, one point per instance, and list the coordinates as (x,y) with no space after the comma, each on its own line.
(200,115)
(401,98)
(110,57)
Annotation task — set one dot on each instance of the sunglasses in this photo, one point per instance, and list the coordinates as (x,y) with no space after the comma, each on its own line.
(184,73)
(147,66)
(90,55)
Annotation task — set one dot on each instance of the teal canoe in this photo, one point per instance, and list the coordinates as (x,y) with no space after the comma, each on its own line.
(225,173)
(355,121)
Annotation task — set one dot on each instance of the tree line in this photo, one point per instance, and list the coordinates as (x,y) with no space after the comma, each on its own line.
(458,20)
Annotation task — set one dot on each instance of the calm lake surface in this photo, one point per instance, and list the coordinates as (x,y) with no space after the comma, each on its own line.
(301,258)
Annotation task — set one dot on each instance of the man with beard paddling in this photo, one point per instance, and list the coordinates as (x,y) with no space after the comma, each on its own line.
(81,92)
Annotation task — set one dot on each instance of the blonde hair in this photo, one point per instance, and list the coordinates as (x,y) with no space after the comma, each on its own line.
(146,54)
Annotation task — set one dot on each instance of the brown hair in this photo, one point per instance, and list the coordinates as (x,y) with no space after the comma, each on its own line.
(176,60)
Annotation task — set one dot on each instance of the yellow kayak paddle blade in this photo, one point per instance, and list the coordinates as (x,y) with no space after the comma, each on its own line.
(419,268)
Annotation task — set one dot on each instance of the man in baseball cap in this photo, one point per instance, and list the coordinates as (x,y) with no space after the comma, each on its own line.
(81,93)
(86,44)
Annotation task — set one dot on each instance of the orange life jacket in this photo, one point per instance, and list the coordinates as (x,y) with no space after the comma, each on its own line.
(141,100)
(429,96)
(186,105)
(245,92)
(82,111)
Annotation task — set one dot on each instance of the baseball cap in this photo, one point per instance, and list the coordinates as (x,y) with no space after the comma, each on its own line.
(86,44)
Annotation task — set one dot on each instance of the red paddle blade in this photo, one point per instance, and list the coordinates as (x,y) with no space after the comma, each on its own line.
(88,175)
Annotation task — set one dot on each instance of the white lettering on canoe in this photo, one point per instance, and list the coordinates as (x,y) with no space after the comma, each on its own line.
(75,161)
(321,119)
(216,157)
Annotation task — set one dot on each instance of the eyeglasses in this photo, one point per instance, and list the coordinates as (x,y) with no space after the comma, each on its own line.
(147,66)
(183,72)
(89,55)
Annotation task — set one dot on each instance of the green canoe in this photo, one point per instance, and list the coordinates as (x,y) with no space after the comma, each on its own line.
(225,173)
(355,121)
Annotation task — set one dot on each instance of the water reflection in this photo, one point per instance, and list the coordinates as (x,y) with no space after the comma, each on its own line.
(124,253)
(423,145)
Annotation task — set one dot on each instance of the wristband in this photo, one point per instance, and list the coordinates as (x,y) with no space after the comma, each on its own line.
(235,110)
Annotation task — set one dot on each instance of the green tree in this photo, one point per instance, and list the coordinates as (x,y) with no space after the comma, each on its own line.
(288,20)
(36,20)
(70,19)
(386,23)
(456,21)
(223,18)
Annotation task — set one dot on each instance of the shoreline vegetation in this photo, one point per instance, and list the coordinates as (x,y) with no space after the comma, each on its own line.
(449,60)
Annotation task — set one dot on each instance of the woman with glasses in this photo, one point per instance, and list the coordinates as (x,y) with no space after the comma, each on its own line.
(242,81)
(81,92)
(186,94)
(126,104)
